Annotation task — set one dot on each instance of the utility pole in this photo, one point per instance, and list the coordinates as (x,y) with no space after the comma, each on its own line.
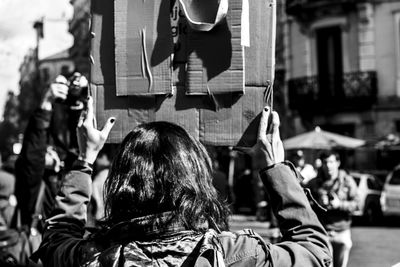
(38,26)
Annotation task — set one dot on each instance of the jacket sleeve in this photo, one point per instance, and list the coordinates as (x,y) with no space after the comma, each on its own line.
(63,235)
(30,164)
(304,240)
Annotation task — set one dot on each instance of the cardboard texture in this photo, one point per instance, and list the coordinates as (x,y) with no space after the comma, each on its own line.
(143,47)
(102,43)
(259,57)
(215,58)
(238,114)
(237,123)
(180,30)
(223,115)
(129,111)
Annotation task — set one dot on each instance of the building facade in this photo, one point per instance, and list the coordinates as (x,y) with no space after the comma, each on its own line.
(343,65)
(79,27)
(30,89)
(54,65)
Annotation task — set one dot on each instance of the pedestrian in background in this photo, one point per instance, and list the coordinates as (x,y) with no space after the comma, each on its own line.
(220,182)
(220,179)
(38,165)
(8,201)
(306,170)
(336,191)
(162,210)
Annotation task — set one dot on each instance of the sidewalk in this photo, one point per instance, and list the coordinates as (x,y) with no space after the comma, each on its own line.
(239,222)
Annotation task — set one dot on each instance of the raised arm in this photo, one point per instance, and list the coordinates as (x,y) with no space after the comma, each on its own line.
(30,165)
(304,240)
(63,236)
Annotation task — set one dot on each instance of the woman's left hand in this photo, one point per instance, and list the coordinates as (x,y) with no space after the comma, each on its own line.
(91,140)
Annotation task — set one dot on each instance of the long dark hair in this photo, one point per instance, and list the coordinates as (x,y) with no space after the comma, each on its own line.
(161,168)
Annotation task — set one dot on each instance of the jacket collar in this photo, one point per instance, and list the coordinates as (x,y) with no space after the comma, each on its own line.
(147,228)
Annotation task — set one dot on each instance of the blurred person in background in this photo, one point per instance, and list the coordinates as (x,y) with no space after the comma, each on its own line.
(38,164)
(245,192)
(336,191)
(306,170)
(220,182)
(220,179)
(14,246)
(161,207)
(8,201)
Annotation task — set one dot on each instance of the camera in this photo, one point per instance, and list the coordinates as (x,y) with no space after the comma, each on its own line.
(78,91)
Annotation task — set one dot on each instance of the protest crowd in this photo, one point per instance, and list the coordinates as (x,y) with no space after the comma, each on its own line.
(159,188)
(148,155)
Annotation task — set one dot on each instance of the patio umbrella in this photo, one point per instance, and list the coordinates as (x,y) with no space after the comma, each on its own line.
(319,139)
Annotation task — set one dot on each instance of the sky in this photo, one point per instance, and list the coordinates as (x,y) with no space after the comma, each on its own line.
(17,36)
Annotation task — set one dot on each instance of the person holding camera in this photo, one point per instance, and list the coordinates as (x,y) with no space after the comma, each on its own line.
(38,162)
(336,191)
(38,167)
(162,210)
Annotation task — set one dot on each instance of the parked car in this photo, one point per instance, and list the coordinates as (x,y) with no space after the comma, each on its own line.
(390,198)
(369,193)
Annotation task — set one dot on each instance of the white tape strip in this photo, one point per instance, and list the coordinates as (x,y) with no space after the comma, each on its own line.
(245,26)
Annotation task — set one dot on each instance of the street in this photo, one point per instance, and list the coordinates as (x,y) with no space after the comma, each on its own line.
(373,246)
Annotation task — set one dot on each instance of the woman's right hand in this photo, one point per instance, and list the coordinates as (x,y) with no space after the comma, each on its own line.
(91,140)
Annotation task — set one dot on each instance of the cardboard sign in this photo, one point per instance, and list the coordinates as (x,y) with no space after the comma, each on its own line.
(143,48)
(236,123)
(203,15)
(215,59)
(219,104)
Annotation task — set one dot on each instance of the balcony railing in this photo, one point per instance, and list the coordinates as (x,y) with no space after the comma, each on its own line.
(299,7)
(356,91)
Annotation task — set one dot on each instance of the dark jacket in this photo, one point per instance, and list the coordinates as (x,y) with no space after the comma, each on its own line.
(324,191)
(30,166)
(151,241)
